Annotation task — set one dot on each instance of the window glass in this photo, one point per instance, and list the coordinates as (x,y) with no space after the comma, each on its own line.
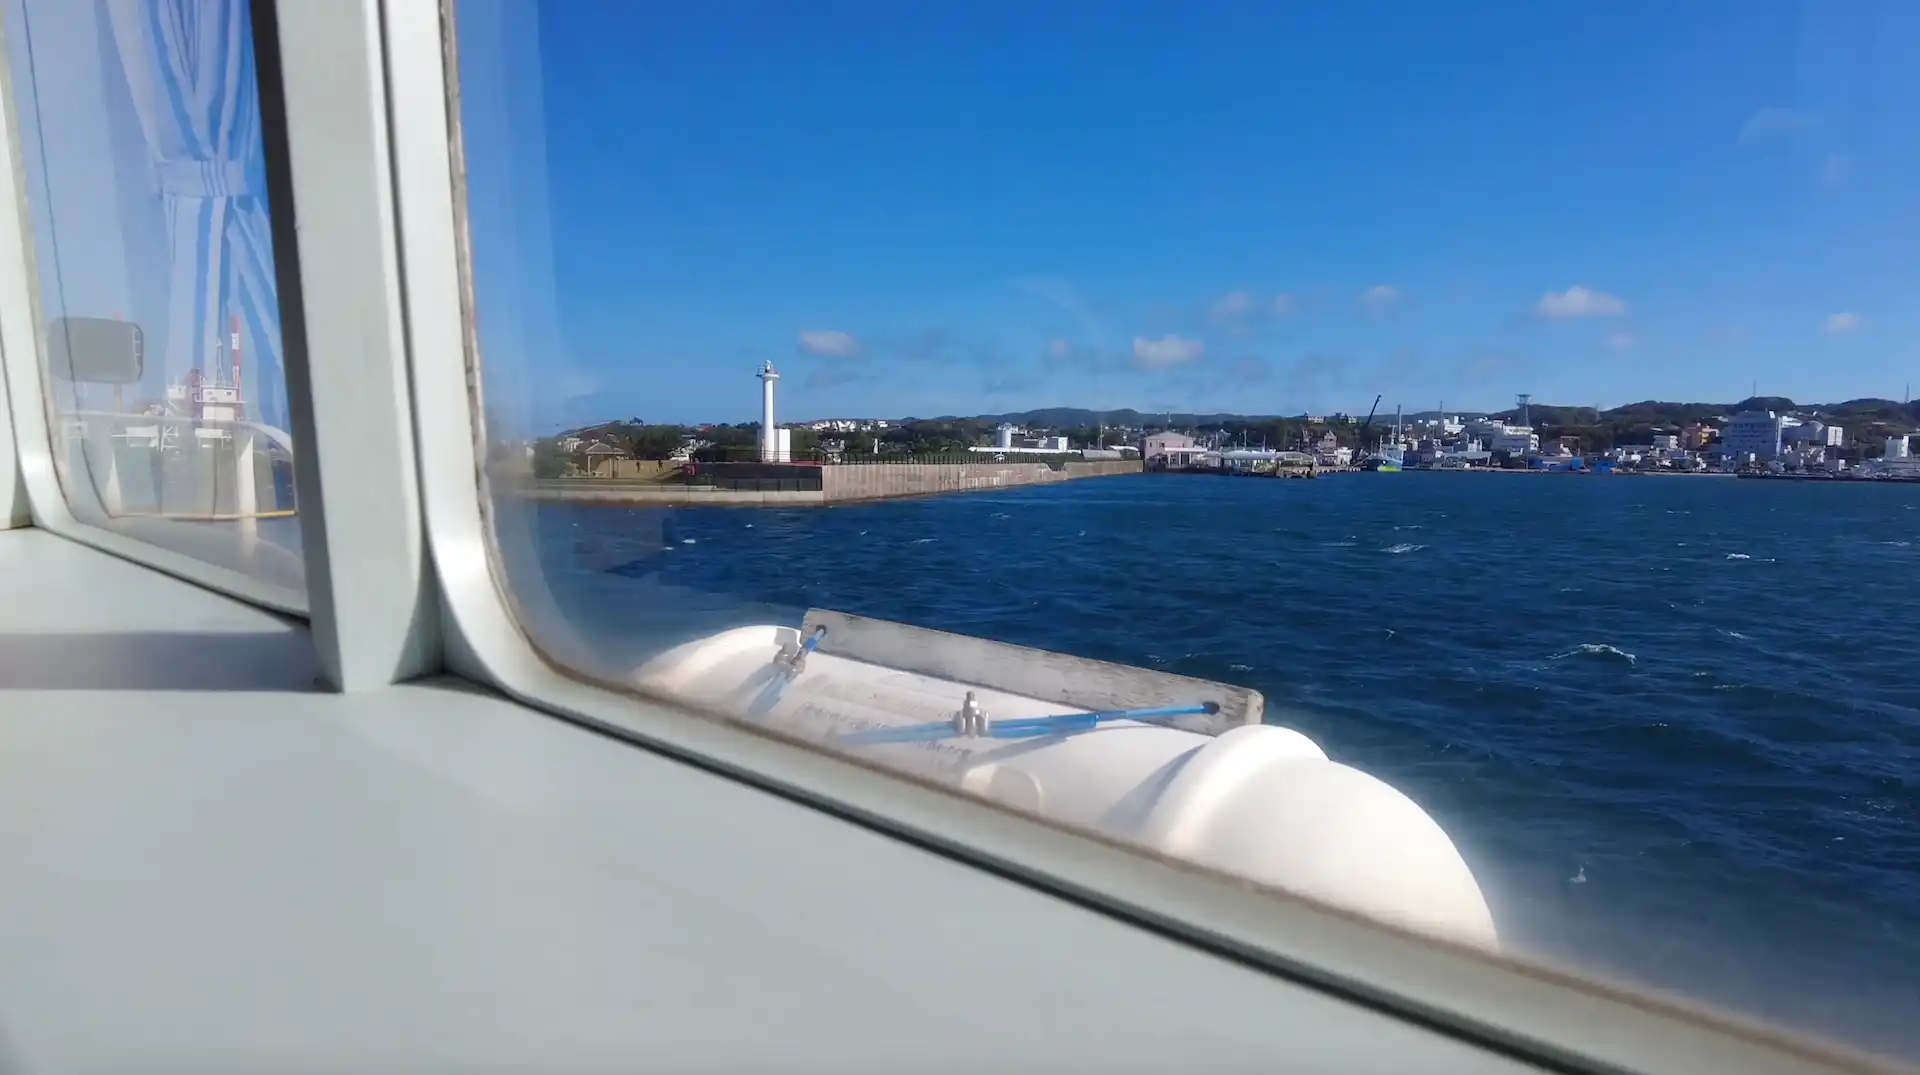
(139,129)
(1503,408)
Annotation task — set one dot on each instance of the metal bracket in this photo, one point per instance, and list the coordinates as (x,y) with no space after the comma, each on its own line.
(793,659)
(971,720)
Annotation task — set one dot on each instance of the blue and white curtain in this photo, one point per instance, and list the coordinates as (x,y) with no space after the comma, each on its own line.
(189,68)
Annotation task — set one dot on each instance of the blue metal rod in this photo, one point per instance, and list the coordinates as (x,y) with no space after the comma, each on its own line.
(813,640)
(783,674)
(1025,727)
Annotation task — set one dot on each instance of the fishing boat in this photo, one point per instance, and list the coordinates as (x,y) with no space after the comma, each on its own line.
(1391,455)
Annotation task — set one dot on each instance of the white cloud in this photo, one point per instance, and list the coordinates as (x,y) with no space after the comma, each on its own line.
(1842,323)
(1771,122)
(1579,302)
(829,343)
(1060,351)
(1166,352)
(1623,341)
(1380,297)
(1239,311)
(1232,306)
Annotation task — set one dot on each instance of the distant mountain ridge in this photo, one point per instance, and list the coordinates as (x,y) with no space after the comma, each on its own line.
(1653,411)
(1644,413)
(1082,418)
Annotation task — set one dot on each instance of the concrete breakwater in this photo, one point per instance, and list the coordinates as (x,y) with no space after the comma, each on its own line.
(923,479)
(794,485)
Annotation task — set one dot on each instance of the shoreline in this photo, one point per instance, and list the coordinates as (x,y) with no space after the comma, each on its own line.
(818,486)
(1584,473)
(1900,480)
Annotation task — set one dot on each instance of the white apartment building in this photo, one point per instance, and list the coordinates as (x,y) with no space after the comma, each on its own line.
(1501,437)
(1756,433)
(1816,434)
(1514,440)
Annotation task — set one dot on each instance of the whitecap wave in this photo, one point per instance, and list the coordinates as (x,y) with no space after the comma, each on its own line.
(923,541)
(1597,649)
(1402,548)
(1738,556)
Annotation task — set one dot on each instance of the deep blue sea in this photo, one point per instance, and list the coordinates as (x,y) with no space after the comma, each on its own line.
(1672,723)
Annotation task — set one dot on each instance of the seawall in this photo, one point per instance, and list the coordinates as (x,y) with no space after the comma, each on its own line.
(772,485)
(603,491)
(883,482)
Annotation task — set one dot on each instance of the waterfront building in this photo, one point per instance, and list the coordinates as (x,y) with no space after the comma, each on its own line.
(1514,440)
(1899,460)
(1756,434)
(1170,449)
(1816,434)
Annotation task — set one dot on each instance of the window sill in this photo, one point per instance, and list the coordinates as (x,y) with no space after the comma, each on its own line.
(237,870)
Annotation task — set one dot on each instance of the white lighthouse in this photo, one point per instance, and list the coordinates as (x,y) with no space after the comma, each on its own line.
(771,448)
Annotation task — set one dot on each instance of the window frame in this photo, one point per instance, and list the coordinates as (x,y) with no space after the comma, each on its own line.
(15,511)
(1564,1021)
(404,570)
(370,585)
(153,542)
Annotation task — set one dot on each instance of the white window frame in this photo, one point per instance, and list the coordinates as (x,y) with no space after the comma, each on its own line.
(367,164)
(369,583)
(15,511)
(153,542)
(1523,1010)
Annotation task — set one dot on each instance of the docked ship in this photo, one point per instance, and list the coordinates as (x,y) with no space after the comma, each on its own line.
(1389,456)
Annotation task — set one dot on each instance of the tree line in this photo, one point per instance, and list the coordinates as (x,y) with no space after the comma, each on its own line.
(1868,423)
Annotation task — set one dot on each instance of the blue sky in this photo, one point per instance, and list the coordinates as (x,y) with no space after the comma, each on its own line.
(996,205)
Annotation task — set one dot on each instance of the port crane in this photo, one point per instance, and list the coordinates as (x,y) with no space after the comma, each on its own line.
(1360,439)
